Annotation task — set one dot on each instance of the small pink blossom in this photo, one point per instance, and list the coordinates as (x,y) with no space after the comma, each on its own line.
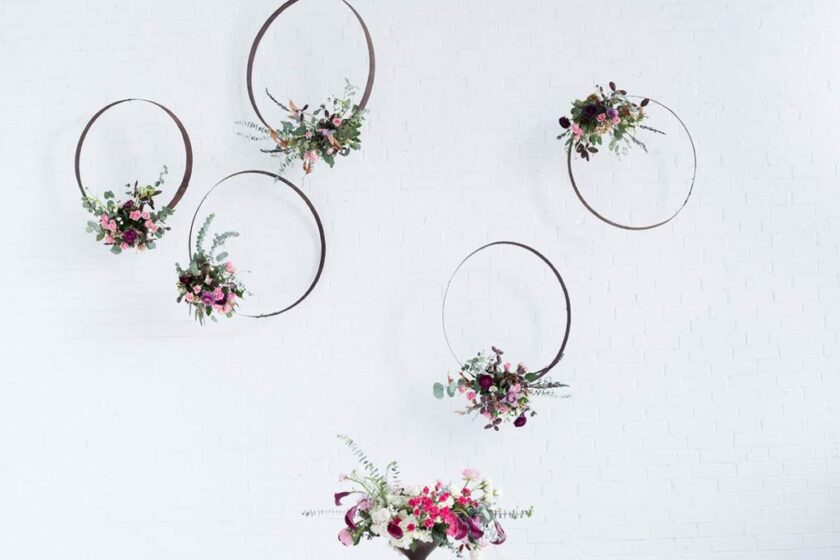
(196,289)
(109,240)
(112,225)
(189,297)
(229,267)
(462,388)
(151,226)
(577,130)
(308,134)
(512,397)
(616,120)
(345,537)
(103,219)
(141,247)
(145,215)
(135,215)
(124,245)
(506,365)
(470,474)
(231,297)
(336,121)
(311,156)
(601,117)
(470,395)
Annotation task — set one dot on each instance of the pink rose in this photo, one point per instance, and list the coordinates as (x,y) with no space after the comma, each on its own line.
(145,215)
(112,225)
(462,388)
(135,215)
(336,121)
(228,309)
(103,219)
(506,366)
(576,130)
(231,297)
(196,289)
(470,474)
(109,240)
(189,297)
(601,117)
(616,120)
(229,267)
(470,395)
(512,397)
(124,245)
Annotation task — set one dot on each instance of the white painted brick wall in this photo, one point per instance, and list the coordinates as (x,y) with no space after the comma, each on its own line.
(704,417)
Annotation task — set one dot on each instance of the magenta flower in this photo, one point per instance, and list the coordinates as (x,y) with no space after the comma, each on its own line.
(207,298)
(485,381)
(520,421)
(394,530)
(345,537)
(130,236)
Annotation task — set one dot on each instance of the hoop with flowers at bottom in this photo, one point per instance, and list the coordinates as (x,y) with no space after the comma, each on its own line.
(494,389)
(209,267)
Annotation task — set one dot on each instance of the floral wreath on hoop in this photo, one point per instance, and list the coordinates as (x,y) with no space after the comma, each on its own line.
(133,224)
(497,391)
(601,115)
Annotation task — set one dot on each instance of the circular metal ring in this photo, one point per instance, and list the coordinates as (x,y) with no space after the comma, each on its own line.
(540,373)
(185,181)
(314,215)
(651,226)
(252,55)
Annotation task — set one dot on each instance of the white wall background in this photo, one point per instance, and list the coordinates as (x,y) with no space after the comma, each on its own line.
(703,420)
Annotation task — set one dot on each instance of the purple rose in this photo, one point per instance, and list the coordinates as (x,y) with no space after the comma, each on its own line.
(612,113)
(520,421)
(130,236)
(128,204)
(485,381)
(207,298)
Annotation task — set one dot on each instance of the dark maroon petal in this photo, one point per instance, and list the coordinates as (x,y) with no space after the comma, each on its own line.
(564,122)
(475,531)
(501,536)
(520,421)
(340,496)
(350,516)
(463,528)
(394,530)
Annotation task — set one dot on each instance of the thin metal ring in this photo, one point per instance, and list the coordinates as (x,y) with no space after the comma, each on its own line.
(317,223)
(252,55)
(638,228)
(559,356)
(185,181)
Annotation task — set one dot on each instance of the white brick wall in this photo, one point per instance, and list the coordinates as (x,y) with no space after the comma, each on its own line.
(704,416)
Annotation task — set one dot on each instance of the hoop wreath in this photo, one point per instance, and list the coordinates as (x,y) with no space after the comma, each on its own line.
(252,55)
(185,181)
(314,215)
(651,226)
(540,373)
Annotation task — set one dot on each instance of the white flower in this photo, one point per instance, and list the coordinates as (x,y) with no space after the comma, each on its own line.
(414,490)
(475,554)
(380,515)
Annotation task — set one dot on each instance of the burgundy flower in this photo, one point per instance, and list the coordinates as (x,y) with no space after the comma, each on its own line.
(501,536)
(475,530)
(350,518)
(394,529)
(130,236)
(565,122)
(520,421)
(340,496)
(485,381)
(462,528)
(128,204)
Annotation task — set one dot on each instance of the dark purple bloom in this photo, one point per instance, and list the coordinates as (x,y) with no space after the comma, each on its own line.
(350,517)
(128,204)
(485,381)
(520,421)
(130,236)
(475,530)
(394,530)
(565,122)
(590,110)
(462,529)
(612,112)
(340,496)
(207,298)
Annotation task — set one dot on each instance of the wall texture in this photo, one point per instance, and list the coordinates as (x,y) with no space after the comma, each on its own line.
(703,421)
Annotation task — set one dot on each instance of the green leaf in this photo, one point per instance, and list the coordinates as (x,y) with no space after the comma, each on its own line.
(221,256)
(194,269)
(451,389)
(116,249)
(438,390)
(109,194)
(100,236)
(530,377)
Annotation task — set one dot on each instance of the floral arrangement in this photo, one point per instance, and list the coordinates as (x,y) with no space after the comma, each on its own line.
(133,224)
(416,520)
(332,129)
(496,391)
(208,284)
(602,115)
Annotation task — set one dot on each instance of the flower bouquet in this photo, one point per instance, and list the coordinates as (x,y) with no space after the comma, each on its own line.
(209,284)
(417,520)
(131,224)
(496,391)
(601,115)
(331,130)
